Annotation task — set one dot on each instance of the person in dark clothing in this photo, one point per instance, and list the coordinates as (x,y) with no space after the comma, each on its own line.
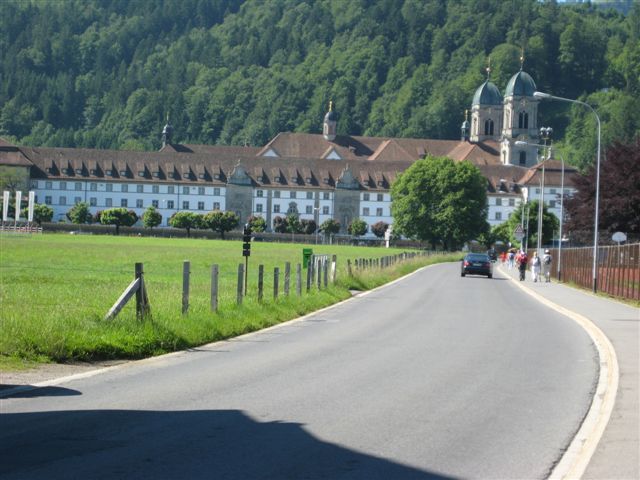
(522,260)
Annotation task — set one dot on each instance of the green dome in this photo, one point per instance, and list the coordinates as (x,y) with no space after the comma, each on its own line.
(487,94)
(521,85)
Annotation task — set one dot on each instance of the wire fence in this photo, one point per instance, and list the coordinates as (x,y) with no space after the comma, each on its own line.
(618,269)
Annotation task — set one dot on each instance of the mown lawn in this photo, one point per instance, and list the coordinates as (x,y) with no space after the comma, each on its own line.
(55,290)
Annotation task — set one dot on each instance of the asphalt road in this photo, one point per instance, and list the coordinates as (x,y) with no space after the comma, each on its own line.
(435,376)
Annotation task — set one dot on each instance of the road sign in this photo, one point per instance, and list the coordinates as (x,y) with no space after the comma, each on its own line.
(619,237)
(518,233)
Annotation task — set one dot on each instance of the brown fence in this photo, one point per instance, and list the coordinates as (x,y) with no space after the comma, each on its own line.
(618,269)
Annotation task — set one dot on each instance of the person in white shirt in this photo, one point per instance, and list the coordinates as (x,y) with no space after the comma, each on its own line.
(547,260)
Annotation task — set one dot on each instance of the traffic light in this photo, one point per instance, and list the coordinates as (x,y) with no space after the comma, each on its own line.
(246,238)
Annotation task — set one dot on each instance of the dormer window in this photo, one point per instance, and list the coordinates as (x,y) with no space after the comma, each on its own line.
(141,174)
(79,171)
(216,176)
(123,173)
(49,170)
(93,171)
(308,180)
(156,174)
(172,175)
(109,172)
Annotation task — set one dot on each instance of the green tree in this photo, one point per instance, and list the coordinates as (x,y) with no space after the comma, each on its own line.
(550,224)
(257,224)
(221,222)
(279,224)
(151,218)
(41,213)
(80,214)
(186,220)
(357,227)
(440,201)
(120,217)
(330,227)
(308,226)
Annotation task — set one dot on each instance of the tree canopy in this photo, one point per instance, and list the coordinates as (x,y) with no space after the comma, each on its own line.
(440,201)
(105,73)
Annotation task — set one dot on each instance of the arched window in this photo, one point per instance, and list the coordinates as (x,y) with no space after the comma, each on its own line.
(523,120)
(523,158)
(488,127)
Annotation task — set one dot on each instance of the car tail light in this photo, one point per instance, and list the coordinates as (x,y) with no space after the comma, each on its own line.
(467,263)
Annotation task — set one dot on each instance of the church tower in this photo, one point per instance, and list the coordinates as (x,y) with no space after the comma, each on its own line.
(486,112)
(329,125)
(520,122)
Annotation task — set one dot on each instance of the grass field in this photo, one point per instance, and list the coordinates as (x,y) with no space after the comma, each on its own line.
(55,290)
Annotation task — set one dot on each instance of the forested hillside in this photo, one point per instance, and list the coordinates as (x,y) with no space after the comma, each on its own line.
(106,73)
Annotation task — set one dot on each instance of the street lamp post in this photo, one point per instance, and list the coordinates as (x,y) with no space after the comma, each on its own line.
(561,220)
(317,216)
(544,96)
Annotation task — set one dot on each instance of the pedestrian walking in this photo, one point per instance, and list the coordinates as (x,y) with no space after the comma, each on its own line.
(511,258)
(521,260)
(535,266)
(547,260)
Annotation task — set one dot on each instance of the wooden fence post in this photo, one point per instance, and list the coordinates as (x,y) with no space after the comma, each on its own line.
(349,268)
(334,262)
(260,282)
(240,288)
(309,276)
(214,288)
(325,271)
(276,280)
(287,277)
(299,279)
(186,270)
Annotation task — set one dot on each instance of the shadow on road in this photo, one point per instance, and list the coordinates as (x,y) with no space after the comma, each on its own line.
(29,391)
(220,444)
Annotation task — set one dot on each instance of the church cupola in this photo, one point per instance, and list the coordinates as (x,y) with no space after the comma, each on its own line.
(520,120)
(329,125)
(167,132)
(486,111)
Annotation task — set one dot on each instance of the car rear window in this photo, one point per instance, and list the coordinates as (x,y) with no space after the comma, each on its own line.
(478,258)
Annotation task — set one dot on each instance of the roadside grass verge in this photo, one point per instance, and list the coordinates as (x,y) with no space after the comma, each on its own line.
(55,290)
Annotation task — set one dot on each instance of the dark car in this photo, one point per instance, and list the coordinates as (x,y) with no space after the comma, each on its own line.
(476,264)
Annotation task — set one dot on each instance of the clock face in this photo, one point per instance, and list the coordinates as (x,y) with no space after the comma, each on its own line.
(523,103)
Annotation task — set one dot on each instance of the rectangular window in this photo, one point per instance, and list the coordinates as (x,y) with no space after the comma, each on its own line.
(216,191)
(276,208)
(365,211)
(276,194)
(63,185)
(365,197)
(512,202)
(498,201)
(139,203)
(185,205)
(325,210)
(78,186)
(538,191)
(309,209)
(170,204)
(62,201)
(171,190)
(108,202)
(379,212)
(259,207)
(155,203)
(109,187)
(155,189)
(140,188)
(93,201)
(498,215)
(259,193)
(380,197)
(77,200)
(185,190)
(553,191)
(124,202)
(292,195)
(200,190)
(309,195)
(325,195)
(216,205)
(552,204)
(200,205)
(48,185)
(47,200)
(124,188)
(93,187)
